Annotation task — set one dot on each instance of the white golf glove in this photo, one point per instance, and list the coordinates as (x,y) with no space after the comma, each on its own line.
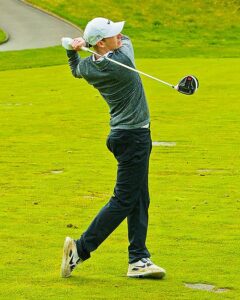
(66,43)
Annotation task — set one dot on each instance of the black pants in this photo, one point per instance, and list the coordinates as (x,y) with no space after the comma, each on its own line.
(130,199)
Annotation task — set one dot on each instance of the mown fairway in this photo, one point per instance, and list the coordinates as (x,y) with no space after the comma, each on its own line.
(55,171)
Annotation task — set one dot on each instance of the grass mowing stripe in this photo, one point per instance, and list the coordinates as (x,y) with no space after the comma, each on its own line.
(10,60)
(53,122)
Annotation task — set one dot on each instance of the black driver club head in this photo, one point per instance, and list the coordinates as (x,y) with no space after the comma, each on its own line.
(188,85)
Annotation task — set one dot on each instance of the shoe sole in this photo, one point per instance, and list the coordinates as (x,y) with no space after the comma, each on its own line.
(65,269)
(157,274)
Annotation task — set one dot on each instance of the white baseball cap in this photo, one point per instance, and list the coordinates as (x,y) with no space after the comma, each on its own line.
(100,28)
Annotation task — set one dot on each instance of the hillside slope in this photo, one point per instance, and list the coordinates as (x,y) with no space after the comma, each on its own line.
(206,28)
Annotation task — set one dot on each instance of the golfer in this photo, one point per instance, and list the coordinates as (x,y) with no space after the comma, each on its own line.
(129,140)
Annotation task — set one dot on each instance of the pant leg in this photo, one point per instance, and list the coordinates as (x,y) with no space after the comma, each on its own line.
(138,218)
(131,164)
(137,228)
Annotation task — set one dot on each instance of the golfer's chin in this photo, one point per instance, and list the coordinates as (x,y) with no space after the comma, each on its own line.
(119,44)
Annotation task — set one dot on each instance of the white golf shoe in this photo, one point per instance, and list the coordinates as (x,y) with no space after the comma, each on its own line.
(70,257)
(145,268)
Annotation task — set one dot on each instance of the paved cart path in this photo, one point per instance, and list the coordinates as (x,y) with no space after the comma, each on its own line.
(29,27)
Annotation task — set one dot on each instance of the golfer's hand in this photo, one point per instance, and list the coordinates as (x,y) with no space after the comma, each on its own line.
(78,43)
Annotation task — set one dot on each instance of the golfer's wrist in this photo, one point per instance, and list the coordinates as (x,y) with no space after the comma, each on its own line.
(87,45)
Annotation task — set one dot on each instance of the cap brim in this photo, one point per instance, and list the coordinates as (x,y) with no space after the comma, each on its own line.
(116,29)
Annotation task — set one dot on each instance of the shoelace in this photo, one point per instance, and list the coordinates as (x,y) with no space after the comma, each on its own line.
(73,264)
(149,262)
(146,262)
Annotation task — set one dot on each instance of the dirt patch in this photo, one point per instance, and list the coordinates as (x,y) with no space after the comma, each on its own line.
(164,144)
(206,287)
(56,171)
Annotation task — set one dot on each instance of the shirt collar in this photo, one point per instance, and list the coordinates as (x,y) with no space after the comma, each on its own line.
(102,57)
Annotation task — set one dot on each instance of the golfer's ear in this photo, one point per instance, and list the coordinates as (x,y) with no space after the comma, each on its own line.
(100,44)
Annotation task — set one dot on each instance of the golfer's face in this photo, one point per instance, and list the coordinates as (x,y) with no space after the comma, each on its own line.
(114,42)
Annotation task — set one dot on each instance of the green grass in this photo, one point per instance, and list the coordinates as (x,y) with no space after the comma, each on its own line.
(51,121)
(2,36)
(33,58)
(158,29)
(205,28)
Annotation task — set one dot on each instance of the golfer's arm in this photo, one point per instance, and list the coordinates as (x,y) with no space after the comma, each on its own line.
(127,48)
(74,62)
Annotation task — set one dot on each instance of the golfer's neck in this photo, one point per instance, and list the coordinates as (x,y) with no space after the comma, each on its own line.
(101,51)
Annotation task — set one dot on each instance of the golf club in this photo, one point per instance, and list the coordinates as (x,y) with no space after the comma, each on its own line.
(188,85)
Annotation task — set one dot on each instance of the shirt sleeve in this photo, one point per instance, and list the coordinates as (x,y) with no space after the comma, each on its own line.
(127,48)
(74,61)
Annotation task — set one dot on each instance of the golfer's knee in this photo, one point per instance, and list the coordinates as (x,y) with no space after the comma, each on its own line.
(125,203)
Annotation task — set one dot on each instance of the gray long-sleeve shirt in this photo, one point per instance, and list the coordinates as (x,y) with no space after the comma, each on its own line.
(121,88)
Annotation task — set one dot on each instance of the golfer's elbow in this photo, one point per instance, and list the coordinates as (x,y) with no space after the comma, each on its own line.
(76,73)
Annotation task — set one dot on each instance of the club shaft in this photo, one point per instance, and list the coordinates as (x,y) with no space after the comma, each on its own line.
(130,68)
